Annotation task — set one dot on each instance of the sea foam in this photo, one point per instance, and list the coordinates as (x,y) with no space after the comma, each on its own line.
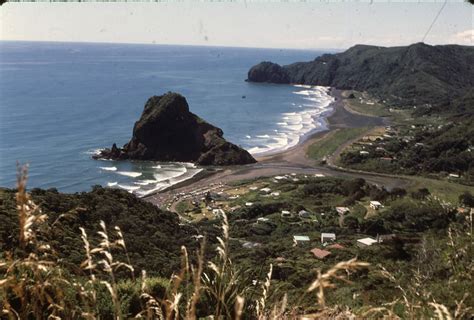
(129,173)
(109,168)
(295,125)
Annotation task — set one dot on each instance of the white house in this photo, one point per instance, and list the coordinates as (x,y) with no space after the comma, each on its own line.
(364,152)
(285,213)
(266,190)
(300,239)
(326,237)
(248,204)
(365,242)
(262,219)
(375,205)
(319,175)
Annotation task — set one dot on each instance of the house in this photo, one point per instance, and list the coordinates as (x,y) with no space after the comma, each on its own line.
(326,237)
(262,219)
(375,205)
(300,239)
(319,175)
(342,210)
(304,214)
(285,213)
(253,188)
(275,194)
(365,242)
(249,204)
(265,190)
(363,152)
(453,175)
(320,253)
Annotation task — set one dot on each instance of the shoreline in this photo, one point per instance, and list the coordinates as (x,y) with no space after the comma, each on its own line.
(322,118)
(291,160)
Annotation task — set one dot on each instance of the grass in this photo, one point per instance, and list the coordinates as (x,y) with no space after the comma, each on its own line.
(445,190)
(330,142)
(376,109)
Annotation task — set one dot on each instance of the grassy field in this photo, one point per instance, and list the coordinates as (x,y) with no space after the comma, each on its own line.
(329,143)
(447,191)
(359,104)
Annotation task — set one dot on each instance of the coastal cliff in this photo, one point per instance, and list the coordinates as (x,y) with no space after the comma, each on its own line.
(416,74)
(168,131)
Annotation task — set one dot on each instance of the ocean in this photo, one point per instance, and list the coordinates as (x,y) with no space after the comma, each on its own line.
(61,102)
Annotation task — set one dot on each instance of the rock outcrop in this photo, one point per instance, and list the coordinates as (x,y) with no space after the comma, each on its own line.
(268,72)
(168,131)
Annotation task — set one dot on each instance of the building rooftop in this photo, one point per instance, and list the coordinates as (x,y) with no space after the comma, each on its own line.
(367,241)
(328,235)
(301,238)
(320,253)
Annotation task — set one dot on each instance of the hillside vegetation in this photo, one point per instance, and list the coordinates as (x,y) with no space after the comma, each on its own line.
(424,272)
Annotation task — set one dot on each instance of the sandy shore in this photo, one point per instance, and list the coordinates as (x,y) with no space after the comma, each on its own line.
(293,160)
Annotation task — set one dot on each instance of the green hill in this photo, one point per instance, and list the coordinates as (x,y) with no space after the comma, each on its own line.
(440,76)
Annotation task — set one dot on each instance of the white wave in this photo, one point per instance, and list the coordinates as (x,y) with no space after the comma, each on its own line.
(169,173)
(306,92)
(302,86)
(145,182)
(129,173)
(111,184)
(157,167)
(248,137)
(168,183)
(93,151)
(109,168)
(296,125)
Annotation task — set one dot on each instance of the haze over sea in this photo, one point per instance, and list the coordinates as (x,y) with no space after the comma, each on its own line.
(61,102)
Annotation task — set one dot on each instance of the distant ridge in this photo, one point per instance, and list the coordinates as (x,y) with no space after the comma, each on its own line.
(411,75)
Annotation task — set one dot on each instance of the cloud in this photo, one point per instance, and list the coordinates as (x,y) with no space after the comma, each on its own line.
(464,37)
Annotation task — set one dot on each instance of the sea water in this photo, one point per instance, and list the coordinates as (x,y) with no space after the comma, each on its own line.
(61,102)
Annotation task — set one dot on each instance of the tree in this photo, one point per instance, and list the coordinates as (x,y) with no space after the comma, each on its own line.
(467,199)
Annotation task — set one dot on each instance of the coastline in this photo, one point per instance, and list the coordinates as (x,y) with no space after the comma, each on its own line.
(291,160)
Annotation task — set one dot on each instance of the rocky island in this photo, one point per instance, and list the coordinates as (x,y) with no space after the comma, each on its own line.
(168,131)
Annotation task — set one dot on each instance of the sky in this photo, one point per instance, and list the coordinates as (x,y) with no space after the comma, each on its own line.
(301,25)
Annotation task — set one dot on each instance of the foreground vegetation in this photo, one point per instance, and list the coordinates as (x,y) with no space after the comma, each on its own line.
(425,272)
